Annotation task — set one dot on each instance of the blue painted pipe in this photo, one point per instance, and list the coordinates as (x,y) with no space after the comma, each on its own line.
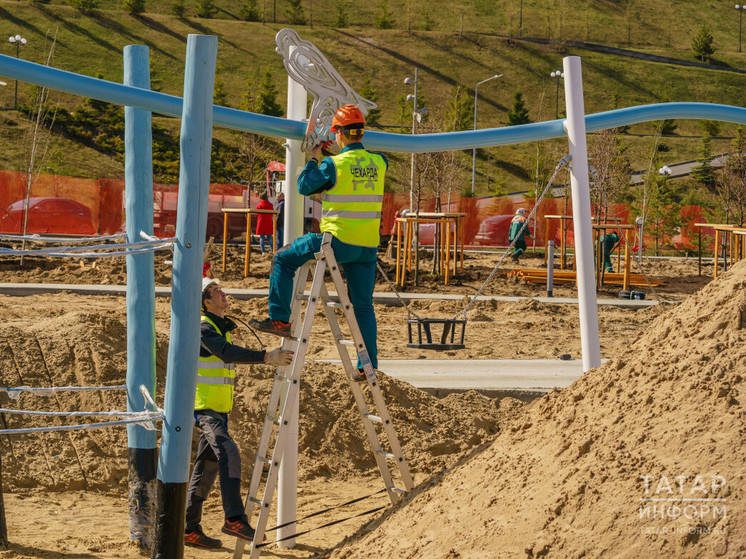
(384,141)
(183,351)
(138,201)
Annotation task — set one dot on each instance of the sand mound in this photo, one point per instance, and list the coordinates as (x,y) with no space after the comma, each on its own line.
(89,349)
(643,457)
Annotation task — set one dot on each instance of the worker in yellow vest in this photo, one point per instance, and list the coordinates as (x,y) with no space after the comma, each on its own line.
(217,453)
(351,188)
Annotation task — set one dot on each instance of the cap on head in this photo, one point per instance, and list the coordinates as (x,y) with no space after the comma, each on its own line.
(348,118)
(521,211)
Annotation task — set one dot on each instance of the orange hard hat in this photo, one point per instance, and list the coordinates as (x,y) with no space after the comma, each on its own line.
(347,116)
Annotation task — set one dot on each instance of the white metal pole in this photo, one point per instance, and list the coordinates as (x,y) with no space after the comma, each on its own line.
(287,484)
(581,209)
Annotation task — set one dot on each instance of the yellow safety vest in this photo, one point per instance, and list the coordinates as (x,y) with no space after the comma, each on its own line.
(215,380)
(351,210)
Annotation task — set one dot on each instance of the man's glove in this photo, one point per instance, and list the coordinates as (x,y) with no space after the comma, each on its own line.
(279,357)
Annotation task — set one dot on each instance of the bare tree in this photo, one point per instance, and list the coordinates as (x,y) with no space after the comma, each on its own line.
(38,139)
(612,170)
(731,184)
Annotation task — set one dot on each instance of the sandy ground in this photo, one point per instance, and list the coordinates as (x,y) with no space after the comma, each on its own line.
(73,485)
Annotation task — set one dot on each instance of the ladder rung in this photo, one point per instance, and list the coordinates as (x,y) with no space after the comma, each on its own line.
(282,378)
(255,500)
(263,459)
(372,417)
(386,454)
(346,342)
(334,304)
(397,490)
(273,419)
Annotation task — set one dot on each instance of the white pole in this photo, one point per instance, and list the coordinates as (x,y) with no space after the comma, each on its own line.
(287,484)
(581,210)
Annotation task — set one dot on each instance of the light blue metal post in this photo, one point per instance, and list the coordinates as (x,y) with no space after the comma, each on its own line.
(191,224)
(138,201)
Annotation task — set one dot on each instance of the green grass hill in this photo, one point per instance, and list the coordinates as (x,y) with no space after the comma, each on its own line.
(374,46)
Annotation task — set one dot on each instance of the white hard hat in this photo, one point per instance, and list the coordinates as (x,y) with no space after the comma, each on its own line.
(207,282)
(521,211)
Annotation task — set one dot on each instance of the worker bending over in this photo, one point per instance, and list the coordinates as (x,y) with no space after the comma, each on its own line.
(516,233)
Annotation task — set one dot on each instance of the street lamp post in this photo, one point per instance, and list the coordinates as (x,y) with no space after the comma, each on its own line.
(414,199)
(558,75)
(474,150)
(741,8)
(17,41)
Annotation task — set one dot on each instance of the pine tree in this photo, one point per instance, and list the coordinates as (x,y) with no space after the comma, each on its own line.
(134,6)
(178,8)
(266,95)
(206,8)
(295,13)
(704,173)
(249,11)
(84,5)
(342,18)
(519,114)
(459,112)
(374,115)
(385,19)
(702,43)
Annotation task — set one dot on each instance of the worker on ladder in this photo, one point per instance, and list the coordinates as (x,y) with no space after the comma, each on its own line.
(351,188)
(518,233)
(217,453)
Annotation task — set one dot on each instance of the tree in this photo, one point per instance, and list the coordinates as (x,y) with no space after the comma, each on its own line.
(612,170)
(458,116)
(206,8)
(134,6)
(84,5)
(295,13)
(702,43)
(731,184)
(341,18)
(262,98)
(178,8)
(704,174)
(249,11)
(385,19)
(665,127)
(519,114)
(367,91)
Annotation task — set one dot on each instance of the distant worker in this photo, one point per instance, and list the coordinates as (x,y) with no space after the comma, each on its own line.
(351,188)
(217,453)
(280,207)
(264,222)
(516,224)
(609,242)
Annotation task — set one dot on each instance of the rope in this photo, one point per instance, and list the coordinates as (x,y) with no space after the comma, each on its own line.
(112,413)
(562,162)
(15,392)
(145,422)
(138,246)
(328,524)
(38,239)
(410,312)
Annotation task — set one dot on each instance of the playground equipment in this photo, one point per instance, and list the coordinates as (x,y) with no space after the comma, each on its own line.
(198,117)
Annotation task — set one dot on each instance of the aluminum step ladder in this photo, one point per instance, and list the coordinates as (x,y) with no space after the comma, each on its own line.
(286,386)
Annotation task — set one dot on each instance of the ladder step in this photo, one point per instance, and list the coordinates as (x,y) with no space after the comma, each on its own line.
(263,459)
(274,420)
(373,418)
(282,378)
(346,342)
(386,454)
(334,304)
(397,490)
(259,502)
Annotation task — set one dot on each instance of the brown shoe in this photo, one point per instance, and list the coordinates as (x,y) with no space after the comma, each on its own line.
(276,327)
(197,538)
(238,528)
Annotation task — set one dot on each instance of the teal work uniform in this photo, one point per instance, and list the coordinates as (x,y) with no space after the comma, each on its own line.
(519,247)
(358,260)
(609,241)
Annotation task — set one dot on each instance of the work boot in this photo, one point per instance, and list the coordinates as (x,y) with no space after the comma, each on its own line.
(358,375)
(239,528)
(276,327)
(197,538)
(514,258)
